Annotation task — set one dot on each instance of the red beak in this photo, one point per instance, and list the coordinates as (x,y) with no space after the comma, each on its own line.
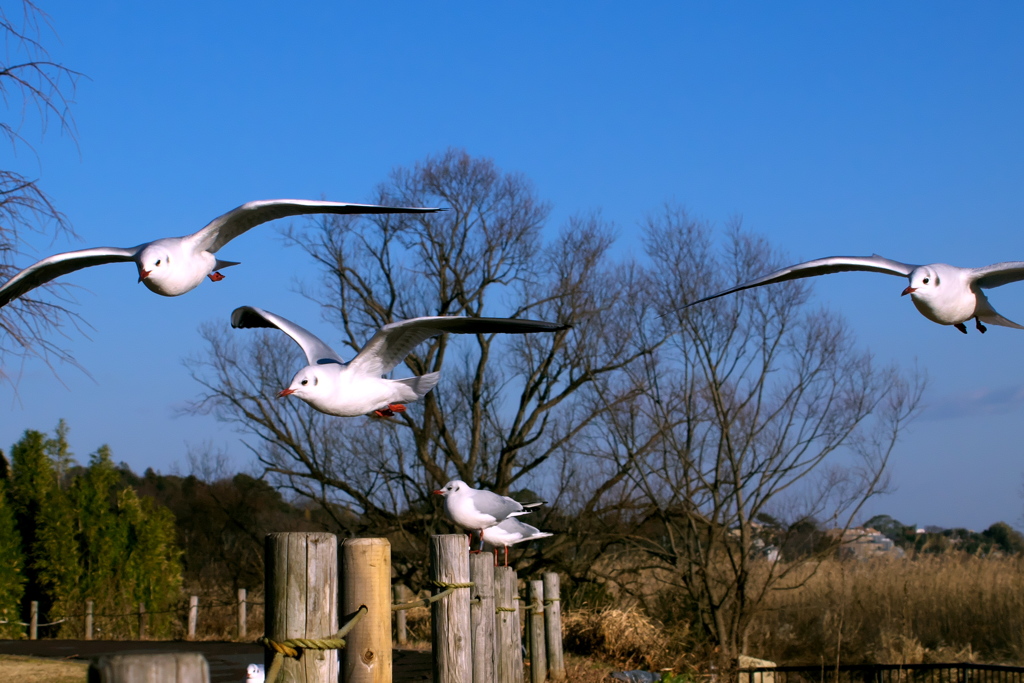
(143,274)
(909,290)
(285,392)
(440,493)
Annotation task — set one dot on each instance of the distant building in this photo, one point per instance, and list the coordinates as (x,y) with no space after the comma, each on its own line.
(862,543)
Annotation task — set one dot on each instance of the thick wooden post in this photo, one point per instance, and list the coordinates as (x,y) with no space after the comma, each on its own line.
(449,563)
(179,667)
(401,630)
(366,580)
(538,650)
(33,620)
(142,621)
(302,601)
(193,616)
(88,619)
(241,614)
(508,640)
(553,626)
(481,615)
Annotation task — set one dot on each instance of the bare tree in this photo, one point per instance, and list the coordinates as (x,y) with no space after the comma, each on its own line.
(760,409)
(506,406)
(36,93)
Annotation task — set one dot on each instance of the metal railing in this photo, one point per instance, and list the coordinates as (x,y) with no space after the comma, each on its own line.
(885,673)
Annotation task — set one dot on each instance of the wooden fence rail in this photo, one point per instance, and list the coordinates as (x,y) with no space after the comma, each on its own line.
(312,585)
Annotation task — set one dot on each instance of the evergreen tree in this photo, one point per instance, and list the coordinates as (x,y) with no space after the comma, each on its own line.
(87,535)
(12,578)
(55,555)
(32,479)
(152,572)
(60,454)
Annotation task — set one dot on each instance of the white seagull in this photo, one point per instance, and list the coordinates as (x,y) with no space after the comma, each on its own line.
(254,674)
(942,293)
(358,387)
(477,509)
(510,532)
(172,266)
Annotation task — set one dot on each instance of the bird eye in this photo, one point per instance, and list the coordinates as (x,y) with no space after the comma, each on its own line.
(305,382)
(925,280)
(158,262)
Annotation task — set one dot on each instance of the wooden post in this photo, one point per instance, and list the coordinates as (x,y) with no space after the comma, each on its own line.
(553,626)
(366,580)
(33,620)
(179,667)
(449,563)
(538,652)
(142,621)
(508,646)
(302,601)
(193,616)
(88,619)
(241,614)
(401,630)
(481,615)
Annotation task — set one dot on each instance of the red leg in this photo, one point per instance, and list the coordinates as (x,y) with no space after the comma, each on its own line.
(481,548)
(506,556)
(216,277)
(961,327)
(383,412)
(397,407)
(981,328)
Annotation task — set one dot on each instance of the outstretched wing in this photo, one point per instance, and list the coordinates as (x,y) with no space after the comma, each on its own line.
(998,274)
(225,228)
(822,266)
(317,353)
(61,264)
(392,343)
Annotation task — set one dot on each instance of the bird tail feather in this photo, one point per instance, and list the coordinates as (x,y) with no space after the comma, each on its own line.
(422,384)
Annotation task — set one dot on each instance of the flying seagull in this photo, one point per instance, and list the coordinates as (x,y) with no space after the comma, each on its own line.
(172,266)
(477,509)
(510,532)
(358,387)
(942,293)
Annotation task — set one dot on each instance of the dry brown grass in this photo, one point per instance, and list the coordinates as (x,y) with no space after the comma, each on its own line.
(945,608)
(937,608)
(586,670)
(625,637)
(37,670)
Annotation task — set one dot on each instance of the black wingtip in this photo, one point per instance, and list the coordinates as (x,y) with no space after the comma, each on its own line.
(245,317)
(237,316)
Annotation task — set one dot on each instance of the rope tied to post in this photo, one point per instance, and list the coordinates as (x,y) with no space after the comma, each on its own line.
(293,647)
(449,588)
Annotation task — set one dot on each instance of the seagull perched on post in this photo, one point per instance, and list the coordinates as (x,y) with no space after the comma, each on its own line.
(358,387)
(509,532)
(172,266)
(477,509)
(944,294)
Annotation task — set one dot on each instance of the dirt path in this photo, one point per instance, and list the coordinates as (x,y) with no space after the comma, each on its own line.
(227,660)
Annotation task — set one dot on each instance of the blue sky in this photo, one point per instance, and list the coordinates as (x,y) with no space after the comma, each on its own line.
(832,128)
